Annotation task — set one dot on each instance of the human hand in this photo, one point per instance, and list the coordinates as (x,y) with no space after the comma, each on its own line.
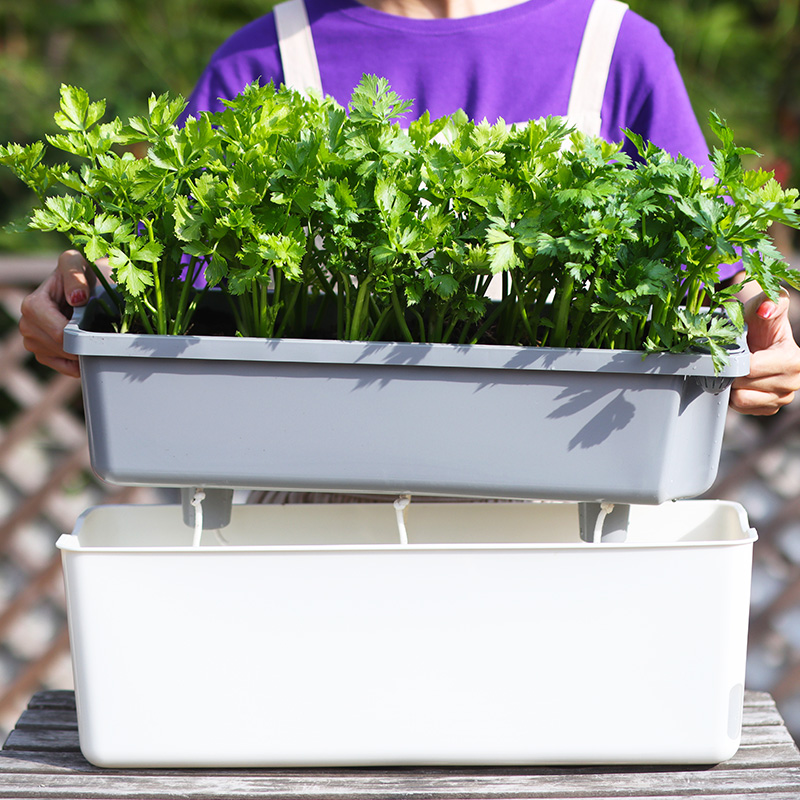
(775,359)
(45,312)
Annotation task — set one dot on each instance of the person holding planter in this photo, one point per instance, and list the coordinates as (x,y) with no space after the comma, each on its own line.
(475,56)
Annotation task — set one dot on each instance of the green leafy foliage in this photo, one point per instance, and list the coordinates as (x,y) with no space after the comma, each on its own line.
(316,221)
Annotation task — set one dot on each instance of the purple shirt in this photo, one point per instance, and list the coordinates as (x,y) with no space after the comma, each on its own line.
(516,64)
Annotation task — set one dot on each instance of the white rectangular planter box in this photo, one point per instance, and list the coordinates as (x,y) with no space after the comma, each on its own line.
(495,636)
(479,421)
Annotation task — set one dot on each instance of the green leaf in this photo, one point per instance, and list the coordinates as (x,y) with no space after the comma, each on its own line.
(735,312)
(133,279)
(149,252)
(502,256)
(77,113)
(444,285)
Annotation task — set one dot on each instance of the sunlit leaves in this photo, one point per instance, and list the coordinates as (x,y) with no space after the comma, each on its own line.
(283,199)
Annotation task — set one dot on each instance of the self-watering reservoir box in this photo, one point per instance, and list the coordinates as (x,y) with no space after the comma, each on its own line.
(445,633)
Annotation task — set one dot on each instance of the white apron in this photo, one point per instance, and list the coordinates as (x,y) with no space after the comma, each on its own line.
(301,70)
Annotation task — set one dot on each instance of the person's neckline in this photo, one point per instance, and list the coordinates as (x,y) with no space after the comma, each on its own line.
(380,19)
(485,8)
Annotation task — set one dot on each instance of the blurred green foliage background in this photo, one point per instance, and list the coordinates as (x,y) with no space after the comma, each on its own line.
(739,57)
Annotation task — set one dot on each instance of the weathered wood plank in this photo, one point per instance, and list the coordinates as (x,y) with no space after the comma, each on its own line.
(41,759)
(19,760)
(762,715)
(758,698)
(56,719)
(42,794)
(42,741)
(768,755)
(33,762)
(766,734)
(441,785)
(55,698)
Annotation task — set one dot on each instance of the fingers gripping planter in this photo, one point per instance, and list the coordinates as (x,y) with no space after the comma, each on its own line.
(310,635)
(490,421)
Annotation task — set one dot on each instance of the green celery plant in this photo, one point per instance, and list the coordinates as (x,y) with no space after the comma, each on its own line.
(319,221)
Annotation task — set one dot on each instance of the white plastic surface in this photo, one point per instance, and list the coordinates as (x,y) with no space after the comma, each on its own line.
(495,636)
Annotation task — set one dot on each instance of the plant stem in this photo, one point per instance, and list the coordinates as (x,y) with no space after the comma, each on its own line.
(188,282)
(288,309)
(489,320)
(161,316)
(421,323)
(362,305)
(563,302)
(267,320)
(144,317)
(112,293)
(398,312)
(380,324)
(450,328)
(522,310)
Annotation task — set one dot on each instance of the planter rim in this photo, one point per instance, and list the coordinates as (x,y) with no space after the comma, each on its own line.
(82,342)
(70,543)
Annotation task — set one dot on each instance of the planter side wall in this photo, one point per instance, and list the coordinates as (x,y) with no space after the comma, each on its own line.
(538,653)
(396,428)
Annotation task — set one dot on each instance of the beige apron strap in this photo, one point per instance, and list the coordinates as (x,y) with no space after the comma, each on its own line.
(593,65)
(299,58)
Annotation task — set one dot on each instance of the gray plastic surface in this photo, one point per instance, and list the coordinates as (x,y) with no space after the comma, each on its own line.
(482,421)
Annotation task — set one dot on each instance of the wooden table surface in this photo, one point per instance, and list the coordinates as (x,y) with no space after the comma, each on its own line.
(41,759)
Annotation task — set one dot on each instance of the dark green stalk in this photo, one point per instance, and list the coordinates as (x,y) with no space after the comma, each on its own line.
(541,292)
(340,315)
(266,320)
(254,313)
(522,311)
(160,310)
(562,306)
(277,284)
(144,317)
(693,296)
(596,339)
(398,312)
(348,311)
(192,307)
(308,259)
(106,308)
(450,328)
(237,313)
(380,324)
(421,323)
(577,318)
(112,293)
(661,309)
(362,306)
(183,299)
(436,326)
(288,308)
(489,320)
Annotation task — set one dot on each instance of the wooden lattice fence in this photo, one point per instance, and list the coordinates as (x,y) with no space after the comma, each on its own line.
(46,482)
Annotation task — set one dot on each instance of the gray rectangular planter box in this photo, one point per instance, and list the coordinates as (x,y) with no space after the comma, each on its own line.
(481,420)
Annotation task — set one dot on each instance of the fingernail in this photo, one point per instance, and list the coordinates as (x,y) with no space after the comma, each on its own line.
(78,297)
(766,310)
